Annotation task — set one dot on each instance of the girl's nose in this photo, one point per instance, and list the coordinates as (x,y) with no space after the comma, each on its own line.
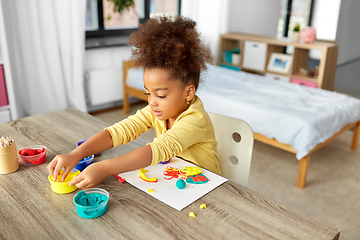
(152,100)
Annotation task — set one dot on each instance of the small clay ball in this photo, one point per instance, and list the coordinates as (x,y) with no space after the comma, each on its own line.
(180,184)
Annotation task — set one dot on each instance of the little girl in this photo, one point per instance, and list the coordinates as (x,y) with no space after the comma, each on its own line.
(172,55)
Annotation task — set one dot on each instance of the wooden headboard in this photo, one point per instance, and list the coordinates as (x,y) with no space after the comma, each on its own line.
(130,90)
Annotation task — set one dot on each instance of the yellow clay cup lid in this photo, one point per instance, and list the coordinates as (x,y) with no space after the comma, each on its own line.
(63,187)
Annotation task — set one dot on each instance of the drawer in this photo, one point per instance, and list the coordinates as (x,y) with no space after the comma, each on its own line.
(277,77)
(254,55)
(304,82)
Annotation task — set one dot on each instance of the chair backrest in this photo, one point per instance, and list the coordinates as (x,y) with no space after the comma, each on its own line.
(235,145)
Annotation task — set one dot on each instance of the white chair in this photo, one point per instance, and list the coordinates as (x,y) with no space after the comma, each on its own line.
(235,145)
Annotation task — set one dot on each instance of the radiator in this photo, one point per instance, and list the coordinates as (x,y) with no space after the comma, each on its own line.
(104,86)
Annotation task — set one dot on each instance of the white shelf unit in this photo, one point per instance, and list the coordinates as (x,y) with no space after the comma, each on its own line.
(7,112)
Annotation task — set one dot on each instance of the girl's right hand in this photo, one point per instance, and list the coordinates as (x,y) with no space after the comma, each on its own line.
(67,161)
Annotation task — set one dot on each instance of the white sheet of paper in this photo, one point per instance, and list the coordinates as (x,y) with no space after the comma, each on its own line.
(166,190)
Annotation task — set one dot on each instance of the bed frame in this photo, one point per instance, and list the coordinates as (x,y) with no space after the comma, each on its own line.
(303,163)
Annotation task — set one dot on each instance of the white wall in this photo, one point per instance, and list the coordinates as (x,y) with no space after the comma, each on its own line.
(254,16)
(348,31)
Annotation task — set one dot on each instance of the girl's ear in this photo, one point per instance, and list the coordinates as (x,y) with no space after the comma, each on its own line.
(190,92)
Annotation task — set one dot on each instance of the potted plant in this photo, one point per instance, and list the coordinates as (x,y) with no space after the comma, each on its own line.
(121,5)
(296,33)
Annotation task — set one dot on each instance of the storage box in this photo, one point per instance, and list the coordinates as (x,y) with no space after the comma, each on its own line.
(304,82)
(254,55)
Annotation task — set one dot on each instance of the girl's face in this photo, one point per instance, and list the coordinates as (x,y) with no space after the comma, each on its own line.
(167,97)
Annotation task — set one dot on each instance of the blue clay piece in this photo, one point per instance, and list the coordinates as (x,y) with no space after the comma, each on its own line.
(180,184)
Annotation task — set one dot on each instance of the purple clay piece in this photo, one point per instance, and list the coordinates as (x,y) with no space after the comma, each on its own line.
(164,162)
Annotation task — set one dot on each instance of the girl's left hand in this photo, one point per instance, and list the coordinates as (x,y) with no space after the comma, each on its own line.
(90,176)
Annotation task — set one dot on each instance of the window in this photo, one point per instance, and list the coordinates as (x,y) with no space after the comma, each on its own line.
(293,12)
(102,21)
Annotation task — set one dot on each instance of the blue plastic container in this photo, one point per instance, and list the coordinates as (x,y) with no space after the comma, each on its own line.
(91,202)
(84,163)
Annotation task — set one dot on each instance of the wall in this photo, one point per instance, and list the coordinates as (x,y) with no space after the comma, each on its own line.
(348,31)
(255,17)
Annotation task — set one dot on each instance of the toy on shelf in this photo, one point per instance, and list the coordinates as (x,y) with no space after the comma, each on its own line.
(308,35)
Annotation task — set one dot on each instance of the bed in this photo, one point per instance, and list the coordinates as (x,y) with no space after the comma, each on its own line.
(288,116)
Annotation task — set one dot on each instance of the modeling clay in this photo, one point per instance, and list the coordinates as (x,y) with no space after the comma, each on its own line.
(197,179)
(191,214)
(68,178)
(171,173)
(90,199)
(202,206)
(150,190)
(187,171)
(165,162)
(191,174)
(180,184)
(31,152)
(144,177)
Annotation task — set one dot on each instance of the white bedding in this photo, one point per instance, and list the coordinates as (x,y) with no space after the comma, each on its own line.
(293,114)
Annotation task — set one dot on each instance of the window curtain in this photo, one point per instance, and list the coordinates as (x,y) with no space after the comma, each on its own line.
(46,47)
(212,18)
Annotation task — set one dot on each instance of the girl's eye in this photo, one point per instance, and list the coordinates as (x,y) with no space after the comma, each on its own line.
(146,93)
(161,96)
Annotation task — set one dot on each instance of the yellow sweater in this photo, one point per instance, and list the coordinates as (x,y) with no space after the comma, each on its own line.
(191,137)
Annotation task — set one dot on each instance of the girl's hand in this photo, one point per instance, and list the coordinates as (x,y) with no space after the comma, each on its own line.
(67,161)
(91,176)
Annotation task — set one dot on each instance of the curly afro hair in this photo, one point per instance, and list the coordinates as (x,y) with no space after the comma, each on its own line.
(172,43)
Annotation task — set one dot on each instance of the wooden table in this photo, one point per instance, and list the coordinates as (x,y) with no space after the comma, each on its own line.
(29,209)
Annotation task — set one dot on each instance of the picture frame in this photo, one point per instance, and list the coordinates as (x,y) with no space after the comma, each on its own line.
(279,63)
